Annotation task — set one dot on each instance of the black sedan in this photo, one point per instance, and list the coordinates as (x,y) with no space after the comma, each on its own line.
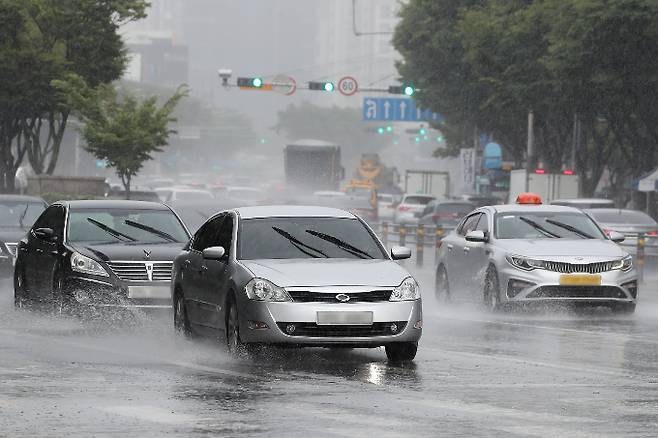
(115,254)
(17,214)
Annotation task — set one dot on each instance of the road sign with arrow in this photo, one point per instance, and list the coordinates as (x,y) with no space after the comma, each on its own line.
(396,109)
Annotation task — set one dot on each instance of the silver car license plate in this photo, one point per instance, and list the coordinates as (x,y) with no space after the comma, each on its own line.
(344,318)
(145,292)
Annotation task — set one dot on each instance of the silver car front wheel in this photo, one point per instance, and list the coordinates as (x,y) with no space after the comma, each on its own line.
(491,294)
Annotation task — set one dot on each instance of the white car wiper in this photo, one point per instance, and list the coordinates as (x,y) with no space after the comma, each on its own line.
(299,244)
(570,228)
(538,227)
(341,244)
(111,231)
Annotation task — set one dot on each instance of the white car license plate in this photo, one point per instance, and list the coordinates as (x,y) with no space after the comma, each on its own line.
(344,318)
(146,292)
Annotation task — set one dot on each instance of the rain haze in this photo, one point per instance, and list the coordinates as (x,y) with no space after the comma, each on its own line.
(336,218)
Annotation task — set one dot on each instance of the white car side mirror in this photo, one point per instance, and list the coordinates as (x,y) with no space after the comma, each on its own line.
(400,253)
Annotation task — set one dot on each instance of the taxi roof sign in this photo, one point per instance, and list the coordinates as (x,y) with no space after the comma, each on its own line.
(528,198)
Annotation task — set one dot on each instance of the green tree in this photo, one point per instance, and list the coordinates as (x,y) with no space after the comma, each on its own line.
(120,129)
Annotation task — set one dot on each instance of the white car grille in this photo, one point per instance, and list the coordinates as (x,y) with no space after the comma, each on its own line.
(585,268)
(142,271)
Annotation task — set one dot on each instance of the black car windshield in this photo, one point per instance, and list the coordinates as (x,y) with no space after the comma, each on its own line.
(540,225)
(303,237)
(119,225)
(19,214)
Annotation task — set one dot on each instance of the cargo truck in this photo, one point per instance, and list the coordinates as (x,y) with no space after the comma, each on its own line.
(549,186)
(312,165)
(429,182)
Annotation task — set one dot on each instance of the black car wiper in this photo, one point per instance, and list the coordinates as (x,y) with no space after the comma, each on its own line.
(111,231)
(22,217)
(341,244)
(299,244)
(539,227)
(151,230)
(570,228)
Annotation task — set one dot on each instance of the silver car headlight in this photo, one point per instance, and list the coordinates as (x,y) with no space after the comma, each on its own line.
(85,265)
(624,264)
(259,289)
(408,290)
(525,263)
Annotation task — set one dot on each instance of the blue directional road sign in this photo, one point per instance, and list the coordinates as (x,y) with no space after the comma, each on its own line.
(396,109)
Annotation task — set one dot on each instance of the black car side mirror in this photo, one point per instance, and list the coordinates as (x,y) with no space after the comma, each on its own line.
(214,253)
(45,234)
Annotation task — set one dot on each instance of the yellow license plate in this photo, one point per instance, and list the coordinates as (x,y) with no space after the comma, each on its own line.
(580,280)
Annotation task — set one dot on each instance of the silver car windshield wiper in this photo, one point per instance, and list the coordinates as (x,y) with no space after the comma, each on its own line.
(341,244)
(151,230)
(111,231)
(570,228)
(299,244)
(538,227)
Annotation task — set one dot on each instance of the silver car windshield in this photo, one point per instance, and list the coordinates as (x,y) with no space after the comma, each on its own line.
(545,225)
(295,238)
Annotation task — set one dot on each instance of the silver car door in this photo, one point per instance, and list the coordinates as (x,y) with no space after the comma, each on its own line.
(476,255)
(459,271)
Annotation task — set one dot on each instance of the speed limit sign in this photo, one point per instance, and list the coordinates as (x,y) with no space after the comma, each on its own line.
(348,86)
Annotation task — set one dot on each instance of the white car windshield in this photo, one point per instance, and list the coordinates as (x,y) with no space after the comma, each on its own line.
(541,225)
(305,237)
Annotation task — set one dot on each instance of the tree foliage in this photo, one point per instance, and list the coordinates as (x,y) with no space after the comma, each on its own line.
(484,64)
(120,129)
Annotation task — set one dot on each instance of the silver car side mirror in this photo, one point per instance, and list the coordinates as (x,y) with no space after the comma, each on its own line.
(400,253)
(476,236)
(214,253)
(616,236)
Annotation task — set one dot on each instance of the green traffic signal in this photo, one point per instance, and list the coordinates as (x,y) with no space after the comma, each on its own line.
(389,128)
(422,131)
(328,86)
(380,130)
(409,90)
(257,82)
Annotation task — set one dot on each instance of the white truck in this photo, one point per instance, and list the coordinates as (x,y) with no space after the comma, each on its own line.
(549,186)
(429,182)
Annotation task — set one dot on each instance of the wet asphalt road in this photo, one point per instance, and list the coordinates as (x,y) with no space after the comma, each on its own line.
(476,374)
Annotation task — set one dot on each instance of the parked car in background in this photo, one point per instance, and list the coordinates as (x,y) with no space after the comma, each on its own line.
(17,214)
(445,214)
(195,213)
(168,194)
(481,201)
(585,203)
(386,205)
(630,223)
(99,254)
(244,196)
(302,276)
(410,208)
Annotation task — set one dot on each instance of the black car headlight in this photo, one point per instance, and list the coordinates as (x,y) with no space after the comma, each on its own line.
(85,265)
(624,264)
(259,289)
(525,263)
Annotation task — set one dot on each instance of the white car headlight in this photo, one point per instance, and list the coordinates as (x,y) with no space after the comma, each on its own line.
(408,290)
(259,289)
(85,265)
(624,264)
(524,263)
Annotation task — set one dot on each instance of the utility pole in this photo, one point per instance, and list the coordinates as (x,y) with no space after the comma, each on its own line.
(530,153)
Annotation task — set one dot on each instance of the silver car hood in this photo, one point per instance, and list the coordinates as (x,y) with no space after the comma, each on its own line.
(559,249)
(328,272)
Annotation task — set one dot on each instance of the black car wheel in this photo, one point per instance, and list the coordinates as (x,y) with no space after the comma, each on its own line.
(401,352)
(442,287)
(181,321)
(491,294)
(21,299)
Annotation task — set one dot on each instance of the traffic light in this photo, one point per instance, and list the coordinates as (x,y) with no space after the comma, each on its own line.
(380,130)
(321,86)
(250,82)
(406,89)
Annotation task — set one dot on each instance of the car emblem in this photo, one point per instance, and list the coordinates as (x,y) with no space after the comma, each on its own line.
(147,254)
(343,298)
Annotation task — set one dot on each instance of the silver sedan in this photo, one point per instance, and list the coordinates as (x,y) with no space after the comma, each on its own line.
(304,276)
(535,254)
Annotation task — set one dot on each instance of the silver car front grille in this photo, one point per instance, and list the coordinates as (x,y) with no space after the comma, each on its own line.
(142,271)
(584,268)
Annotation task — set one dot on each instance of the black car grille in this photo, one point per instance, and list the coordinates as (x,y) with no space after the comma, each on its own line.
(577,292)
(138,271)
(311,329)
(585,268)
(354,297)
